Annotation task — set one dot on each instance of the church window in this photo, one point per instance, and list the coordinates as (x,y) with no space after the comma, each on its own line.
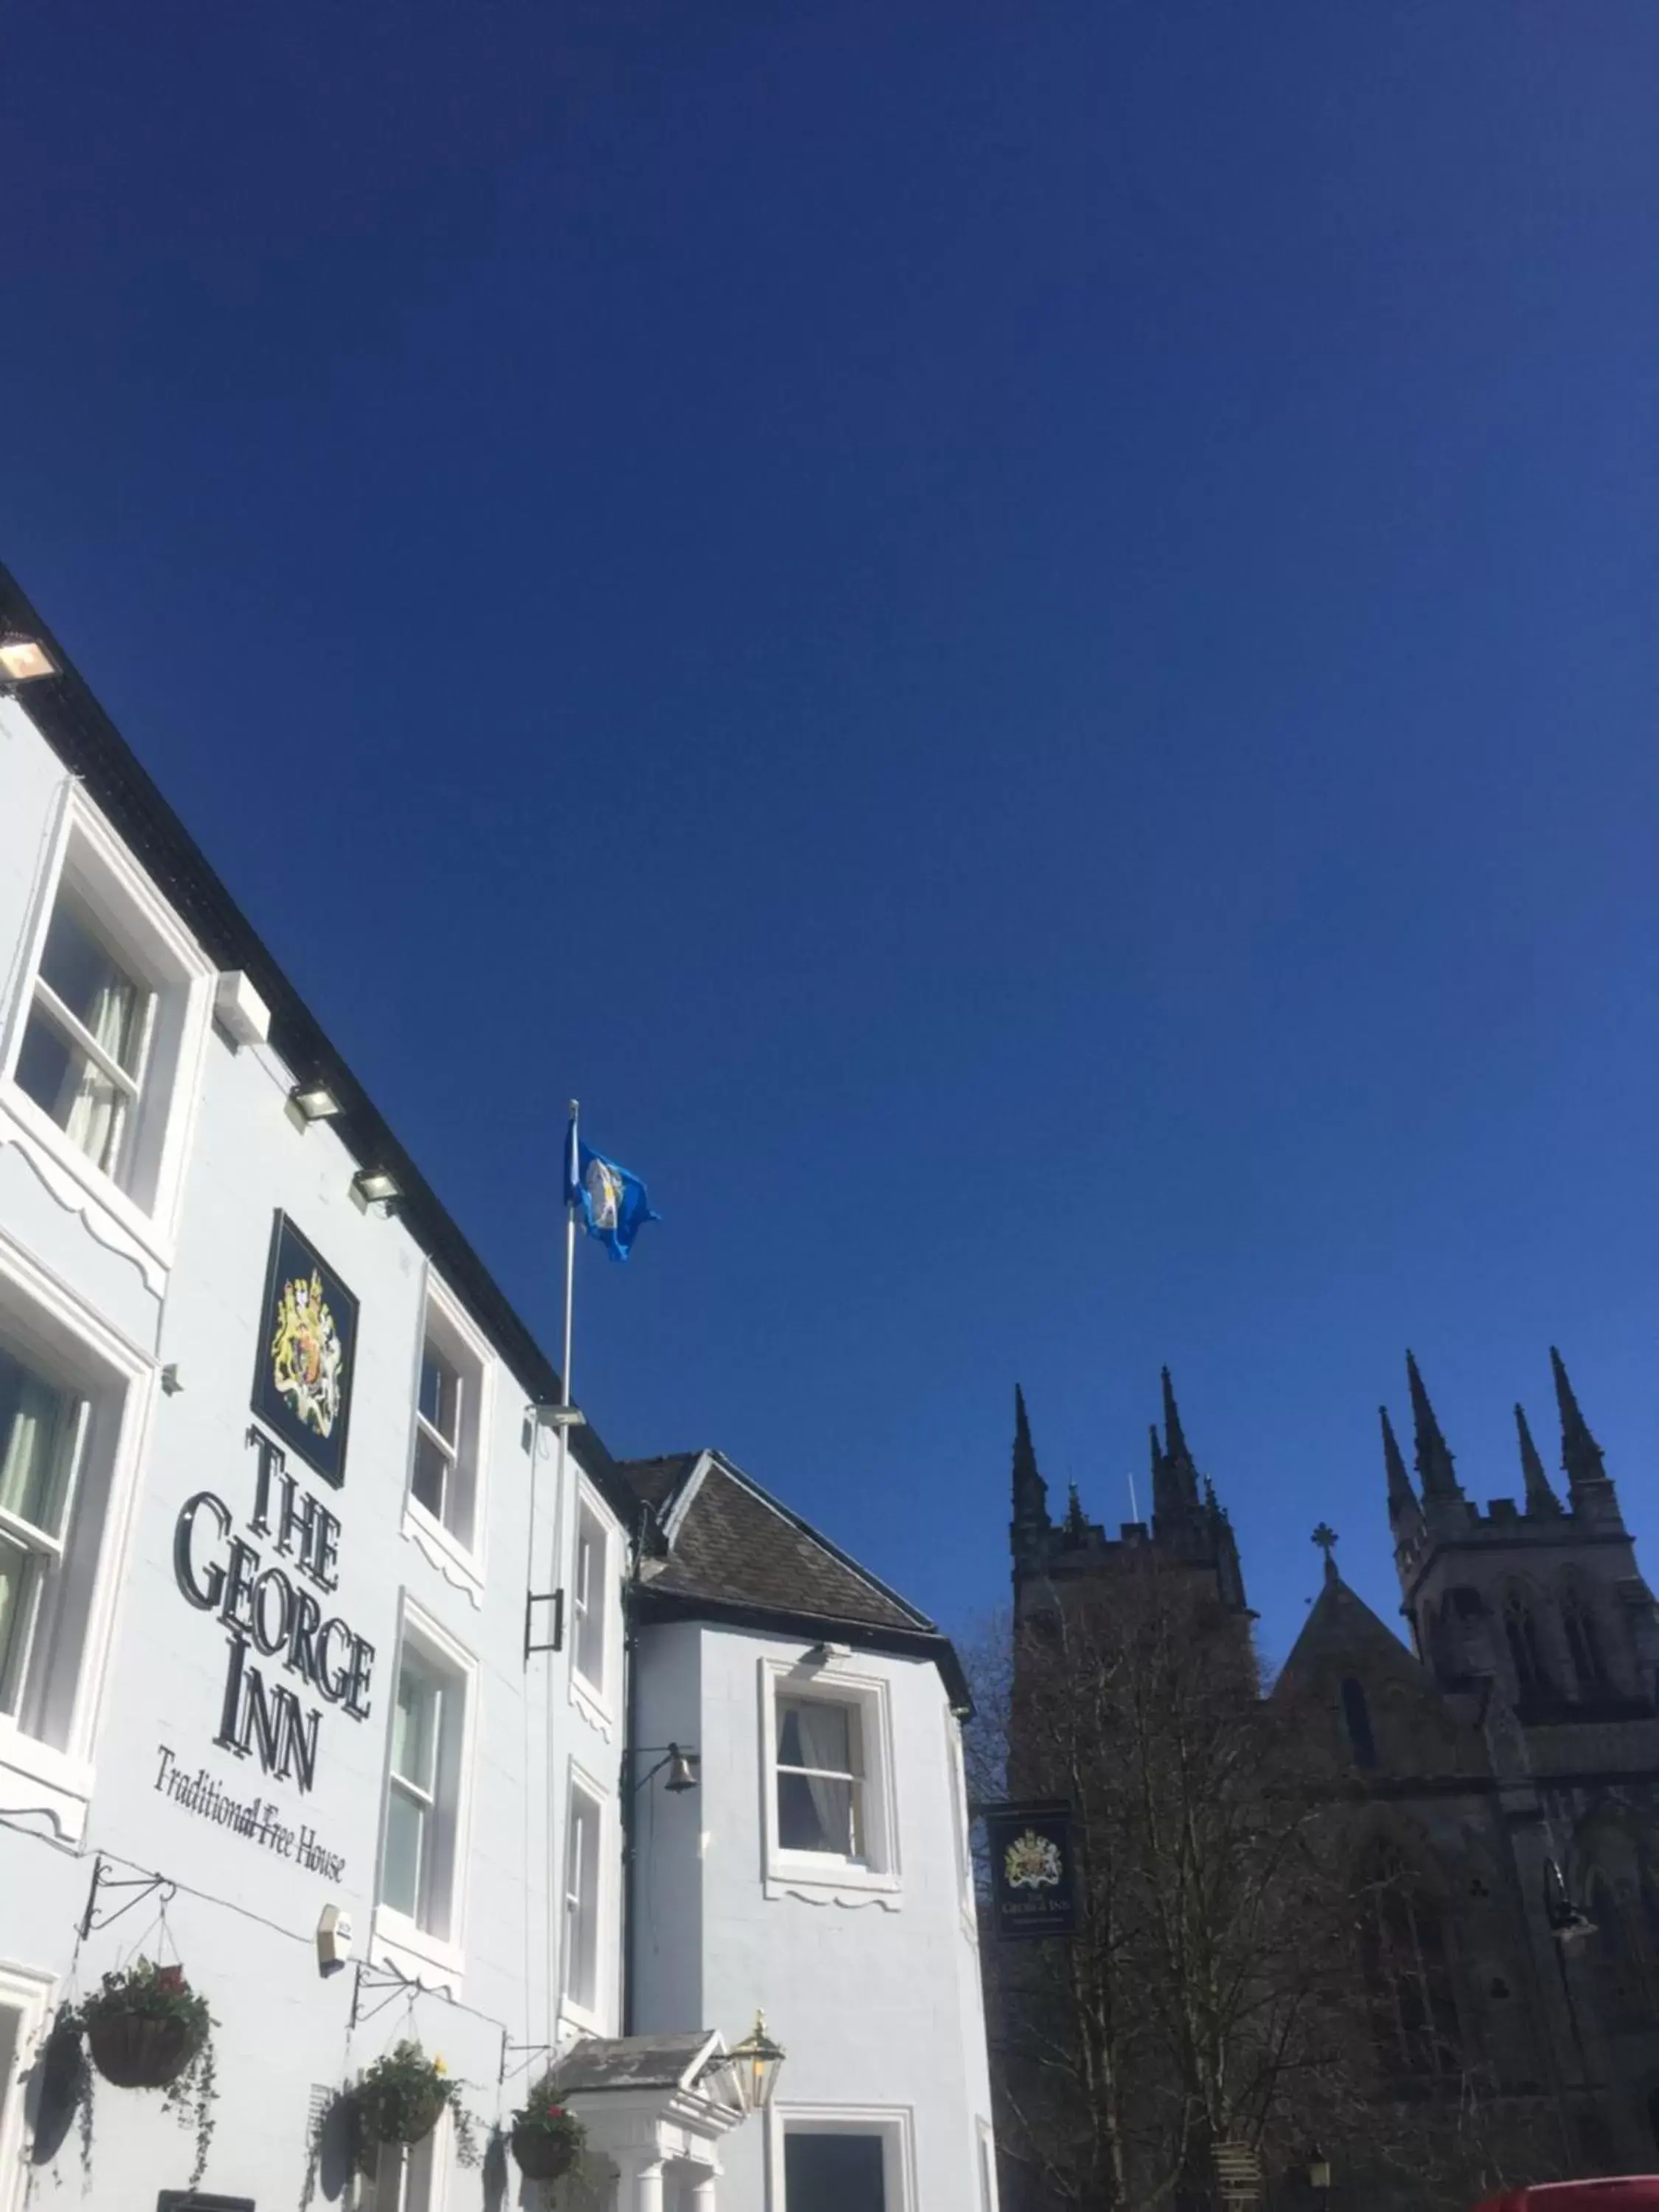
(1583,1643)
(1357,1714)
(1408,1975)
(1521,1629)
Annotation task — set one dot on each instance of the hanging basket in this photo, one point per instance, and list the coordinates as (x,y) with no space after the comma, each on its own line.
(404,2115)
(139,2051)
(542,2154)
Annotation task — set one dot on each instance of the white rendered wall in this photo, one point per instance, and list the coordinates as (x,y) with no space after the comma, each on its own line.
(878,2004)
(243,1914)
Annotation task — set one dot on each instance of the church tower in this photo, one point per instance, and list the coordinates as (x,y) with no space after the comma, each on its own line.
(1188,1529)
(1544,1598)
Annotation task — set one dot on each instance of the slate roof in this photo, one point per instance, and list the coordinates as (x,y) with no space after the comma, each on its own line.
(631,2062)
(655,1481)
(737,1545)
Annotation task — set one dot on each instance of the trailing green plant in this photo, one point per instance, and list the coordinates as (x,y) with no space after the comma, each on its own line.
(547,2136)
(544,2113)
(146,2028)
(401,2097)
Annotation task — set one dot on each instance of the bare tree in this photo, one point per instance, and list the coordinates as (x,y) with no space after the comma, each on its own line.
(1215,1995)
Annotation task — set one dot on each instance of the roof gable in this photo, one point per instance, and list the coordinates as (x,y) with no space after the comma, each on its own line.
(1342,1628)
(732,1543)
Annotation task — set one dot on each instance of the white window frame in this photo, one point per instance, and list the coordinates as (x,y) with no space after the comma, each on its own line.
(159,953)
(57,1777)
(434,1957)
(27,1995)
(581,1784)
(410,2177)
(985,2151)
(445,1321)
(821,1875)
(595,1701)
(894,2124)
(956,1769)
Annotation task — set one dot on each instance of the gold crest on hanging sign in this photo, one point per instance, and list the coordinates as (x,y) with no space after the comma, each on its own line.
(1032,1861)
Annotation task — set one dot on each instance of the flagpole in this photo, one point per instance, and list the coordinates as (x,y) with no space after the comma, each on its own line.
(555,1930)
(573,1166)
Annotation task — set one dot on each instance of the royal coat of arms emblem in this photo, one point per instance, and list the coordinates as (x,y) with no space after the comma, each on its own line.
(1032,1861)
(308,1342)
(304,1354)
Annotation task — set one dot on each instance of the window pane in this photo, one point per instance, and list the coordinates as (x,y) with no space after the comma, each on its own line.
(405,1846)
(88,1107)
(833,2174)
(36,1430)
(817,1814)
(22,1574)
(582,1903)
(590,1604)
(813,1734)
(415,1729)
(430,1477)
(440,1393)
(97,991)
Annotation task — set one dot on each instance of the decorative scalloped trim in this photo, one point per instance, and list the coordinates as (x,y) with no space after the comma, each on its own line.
(24,1791)
(589,1708)
(851,1900)
(439,1555)
(75,1198)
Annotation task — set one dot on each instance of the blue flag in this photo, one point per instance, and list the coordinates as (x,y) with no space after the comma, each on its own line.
(611,1201)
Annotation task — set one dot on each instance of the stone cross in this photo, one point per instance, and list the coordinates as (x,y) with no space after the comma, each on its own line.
(1325,1536)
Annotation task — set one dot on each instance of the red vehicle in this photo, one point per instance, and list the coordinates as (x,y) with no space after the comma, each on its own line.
(1630,2192)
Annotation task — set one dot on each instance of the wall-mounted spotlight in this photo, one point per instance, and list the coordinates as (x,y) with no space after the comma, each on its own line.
(23,659)
(313,1101)
(560,1417)
(375,1187)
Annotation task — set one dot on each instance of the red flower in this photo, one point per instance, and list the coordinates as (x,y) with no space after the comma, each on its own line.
(170,1977)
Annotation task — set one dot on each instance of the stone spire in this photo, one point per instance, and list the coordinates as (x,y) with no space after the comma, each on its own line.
(1402,1498)
(1076,1528)
(1031,1520)
(1175,1442)
(1581,1455)
(1178,1456)
(1541,1501)
(1434,1460)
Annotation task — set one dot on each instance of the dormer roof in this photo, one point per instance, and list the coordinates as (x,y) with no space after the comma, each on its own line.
(731,1551)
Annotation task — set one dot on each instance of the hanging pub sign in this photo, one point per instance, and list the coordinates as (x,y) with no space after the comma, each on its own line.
(307,1353)
(1030,1853)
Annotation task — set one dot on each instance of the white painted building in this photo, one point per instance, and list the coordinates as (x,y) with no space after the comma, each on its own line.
(304,1617)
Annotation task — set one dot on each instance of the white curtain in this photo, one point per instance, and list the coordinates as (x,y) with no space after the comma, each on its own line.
(91,1108)
(825,1741)
(30,1449)
(15,1568)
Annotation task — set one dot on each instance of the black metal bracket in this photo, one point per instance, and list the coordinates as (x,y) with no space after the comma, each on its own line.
(526,2051)
(145,1884)
(531,1600)
(379,1978)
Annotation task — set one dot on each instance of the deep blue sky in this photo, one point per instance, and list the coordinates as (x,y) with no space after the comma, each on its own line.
(1022,640)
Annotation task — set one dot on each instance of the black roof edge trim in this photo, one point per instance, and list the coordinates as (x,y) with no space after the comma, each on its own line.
(660,1605)
(68,716)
